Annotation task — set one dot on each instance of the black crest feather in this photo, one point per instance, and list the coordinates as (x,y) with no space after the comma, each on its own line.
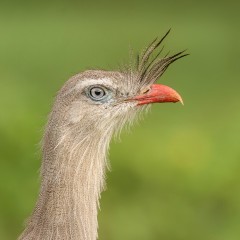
(150,66)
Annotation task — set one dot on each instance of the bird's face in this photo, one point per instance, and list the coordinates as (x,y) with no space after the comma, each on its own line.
(104,100)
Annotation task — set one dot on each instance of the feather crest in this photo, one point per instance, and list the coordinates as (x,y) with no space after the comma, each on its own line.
(150,66)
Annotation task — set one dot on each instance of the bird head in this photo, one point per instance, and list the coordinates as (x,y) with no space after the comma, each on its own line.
(104,101)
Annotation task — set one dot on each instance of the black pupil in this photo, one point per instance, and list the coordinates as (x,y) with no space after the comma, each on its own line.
(98,92)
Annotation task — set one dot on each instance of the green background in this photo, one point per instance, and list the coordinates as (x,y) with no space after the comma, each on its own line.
(176,176)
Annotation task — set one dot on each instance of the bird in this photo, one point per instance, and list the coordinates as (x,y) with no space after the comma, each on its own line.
(88,110)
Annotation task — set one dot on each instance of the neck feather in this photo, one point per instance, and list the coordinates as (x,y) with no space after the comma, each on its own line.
(73,176)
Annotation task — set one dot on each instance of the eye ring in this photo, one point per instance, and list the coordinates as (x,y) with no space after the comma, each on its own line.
(97,93)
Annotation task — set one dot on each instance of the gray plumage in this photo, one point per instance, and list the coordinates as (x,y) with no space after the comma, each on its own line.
(75,146)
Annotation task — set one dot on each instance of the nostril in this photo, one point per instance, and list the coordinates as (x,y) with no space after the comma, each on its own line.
(145,90)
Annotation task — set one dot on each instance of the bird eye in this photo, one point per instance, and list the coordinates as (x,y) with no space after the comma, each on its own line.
(97,93)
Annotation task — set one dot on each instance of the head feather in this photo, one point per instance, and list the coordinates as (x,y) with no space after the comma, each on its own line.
(149,66)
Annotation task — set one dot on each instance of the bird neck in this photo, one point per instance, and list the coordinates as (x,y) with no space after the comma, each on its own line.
(73,170)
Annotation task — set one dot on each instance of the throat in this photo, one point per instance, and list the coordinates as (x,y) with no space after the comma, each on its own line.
(73,176)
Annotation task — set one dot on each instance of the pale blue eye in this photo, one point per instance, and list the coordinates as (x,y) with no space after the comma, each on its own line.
(98,93)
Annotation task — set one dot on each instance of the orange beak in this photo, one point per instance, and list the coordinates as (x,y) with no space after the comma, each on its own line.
(159,93)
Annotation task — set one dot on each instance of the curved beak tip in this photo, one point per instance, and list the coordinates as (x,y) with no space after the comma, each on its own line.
(181,101)
(179,98)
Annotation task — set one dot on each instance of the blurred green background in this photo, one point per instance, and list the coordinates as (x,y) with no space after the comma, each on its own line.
(176,175)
